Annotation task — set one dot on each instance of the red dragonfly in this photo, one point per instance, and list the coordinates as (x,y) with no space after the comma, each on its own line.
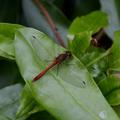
(58,60)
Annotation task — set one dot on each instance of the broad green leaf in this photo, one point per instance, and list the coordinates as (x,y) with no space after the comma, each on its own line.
(93,55)
(26,99)
(105,62)
(110,85)
(5,55)
(73,94)
(80,44)
(28,105)
(83,49)
(7,32)
(92,59)
(6,45)
(113,12)
(30,109)
(37,20)
(114,97)
(99,62)
(114,57)
(9,101)
(8,29)
(92,22)
(9,72)
(80,36)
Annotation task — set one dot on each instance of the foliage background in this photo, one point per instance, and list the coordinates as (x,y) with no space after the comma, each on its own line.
(21,12)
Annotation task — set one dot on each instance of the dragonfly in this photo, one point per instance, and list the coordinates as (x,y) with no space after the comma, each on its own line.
(58,60)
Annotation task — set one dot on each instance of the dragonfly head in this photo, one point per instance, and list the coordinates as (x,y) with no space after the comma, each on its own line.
(68,53)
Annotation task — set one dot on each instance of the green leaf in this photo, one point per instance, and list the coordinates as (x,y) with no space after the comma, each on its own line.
(98,61)
(107,62)
(28,105)
(80,36)
(7,32)
(71,95)
(114,57)
(92,22)
(8,29)
(80,44)
(5,55)
(114,97)
(113,11)
(83,49)
(110,84)
(9,72)
(9,101)
(6,45)
(37,20)
(27,98)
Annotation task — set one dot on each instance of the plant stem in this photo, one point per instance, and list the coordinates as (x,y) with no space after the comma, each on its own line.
(50,22)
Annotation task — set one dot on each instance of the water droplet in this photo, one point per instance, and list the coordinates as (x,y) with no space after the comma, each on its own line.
(102,114)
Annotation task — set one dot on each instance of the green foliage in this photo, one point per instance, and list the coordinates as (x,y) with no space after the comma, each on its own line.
(81,31)
(91,22)
(80,43)
(111,57)
(73,93)
(28,105)
(114,63)
(103,65)
(9,101)
(7,32)
(110,85)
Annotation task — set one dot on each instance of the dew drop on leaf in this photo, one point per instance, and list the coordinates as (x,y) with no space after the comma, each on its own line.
(102,115)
